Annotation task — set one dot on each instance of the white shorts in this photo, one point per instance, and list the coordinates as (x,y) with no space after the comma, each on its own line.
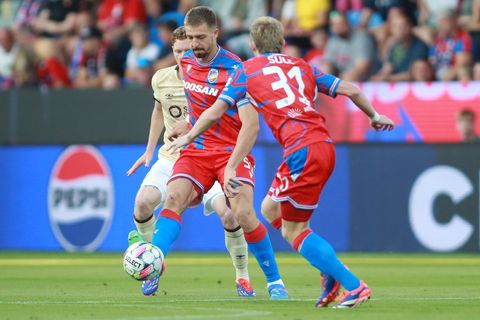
(158,177)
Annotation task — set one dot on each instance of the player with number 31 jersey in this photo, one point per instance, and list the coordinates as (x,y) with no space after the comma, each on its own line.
(292,117)
(283,89)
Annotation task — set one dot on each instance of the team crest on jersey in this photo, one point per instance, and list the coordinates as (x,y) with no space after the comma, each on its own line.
(212,75)
(189,67)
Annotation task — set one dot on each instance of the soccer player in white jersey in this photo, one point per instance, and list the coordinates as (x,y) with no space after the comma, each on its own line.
(171,107)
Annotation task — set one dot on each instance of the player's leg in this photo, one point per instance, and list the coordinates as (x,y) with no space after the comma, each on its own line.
(258,240)
(235,242)
(311,166)
(147,199)
(272,213)
(151,194)
(180,194)
(321,255)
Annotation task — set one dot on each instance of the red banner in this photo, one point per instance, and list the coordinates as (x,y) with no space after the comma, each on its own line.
(423,112)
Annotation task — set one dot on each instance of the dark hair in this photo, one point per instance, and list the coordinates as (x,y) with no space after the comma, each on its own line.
(168,24)
(466,113)
(199,15)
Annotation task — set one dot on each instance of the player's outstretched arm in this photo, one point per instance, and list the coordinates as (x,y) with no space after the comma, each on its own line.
(205,121)
(245,141)
(377,121)
(156,127)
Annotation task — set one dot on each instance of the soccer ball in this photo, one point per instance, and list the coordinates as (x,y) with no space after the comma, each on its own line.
(143,261)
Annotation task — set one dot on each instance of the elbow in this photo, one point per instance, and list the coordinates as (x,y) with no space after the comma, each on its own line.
(349,89)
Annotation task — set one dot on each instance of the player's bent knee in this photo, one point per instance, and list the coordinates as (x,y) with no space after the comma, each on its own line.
(178,201)
(228,220)
(270,210)
(291,230)
(145,205)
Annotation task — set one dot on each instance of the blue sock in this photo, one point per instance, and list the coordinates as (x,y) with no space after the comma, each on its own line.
(322,256)
(261,247)
(167,230)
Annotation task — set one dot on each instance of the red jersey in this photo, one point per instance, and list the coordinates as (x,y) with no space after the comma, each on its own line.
(283,89)
(220,78)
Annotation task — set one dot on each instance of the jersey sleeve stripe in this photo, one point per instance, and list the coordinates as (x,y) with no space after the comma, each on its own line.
(333,88)
(227,99)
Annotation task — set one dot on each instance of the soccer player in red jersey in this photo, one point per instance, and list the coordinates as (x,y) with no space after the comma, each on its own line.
(283,90)
(212,77)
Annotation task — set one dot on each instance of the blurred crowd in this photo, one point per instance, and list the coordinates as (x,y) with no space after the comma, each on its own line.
(120,43)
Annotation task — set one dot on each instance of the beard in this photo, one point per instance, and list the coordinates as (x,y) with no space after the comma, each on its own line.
(200,53)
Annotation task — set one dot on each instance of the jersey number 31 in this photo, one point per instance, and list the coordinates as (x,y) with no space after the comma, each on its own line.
(282,83)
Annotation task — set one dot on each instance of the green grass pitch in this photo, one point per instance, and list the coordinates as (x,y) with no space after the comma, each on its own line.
(201,286)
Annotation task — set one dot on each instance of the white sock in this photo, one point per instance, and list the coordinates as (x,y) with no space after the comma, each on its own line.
(279,281)
(146,228)
(238,249)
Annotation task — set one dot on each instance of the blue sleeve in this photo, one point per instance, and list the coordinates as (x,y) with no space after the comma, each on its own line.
(236,86)
(326,83)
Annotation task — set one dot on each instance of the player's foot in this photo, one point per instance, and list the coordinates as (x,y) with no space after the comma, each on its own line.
(351,299)
(150,287)
(277,292)
(134,236)
(331,288)
(244,288)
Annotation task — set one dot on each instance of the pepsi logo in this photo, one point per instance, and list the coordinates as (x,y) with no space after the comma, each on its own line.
(80,198)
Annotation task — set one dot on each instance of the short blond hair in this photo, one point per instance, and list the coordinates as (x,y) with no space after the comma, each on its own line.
(267,34)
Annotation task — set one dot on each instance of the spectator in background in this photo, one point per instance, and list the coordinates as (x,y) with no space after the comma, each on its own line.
(350,54)
(8,52)
(430,12)
(466,126)
(235,17)
(318,41)
(165,30)
(353,9)
(140,57)
(27,12)
(115,18)
(386,9)
(87,67)
(153,11)
(469,20)
(52,71)
(56,18)
(405,49)
(300,18)
(24,71)
(451,53)
(476,72)
(422,70)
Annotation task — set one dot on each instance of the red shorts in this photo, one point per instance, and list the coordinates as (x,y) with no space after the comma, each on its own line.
(301,178)
(203,168)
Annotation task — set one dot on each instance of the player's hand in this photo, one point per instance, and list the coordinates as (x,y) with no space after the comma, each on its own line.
(382,124)
(181,128)
(231,183)
(145,159)
(178,143)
